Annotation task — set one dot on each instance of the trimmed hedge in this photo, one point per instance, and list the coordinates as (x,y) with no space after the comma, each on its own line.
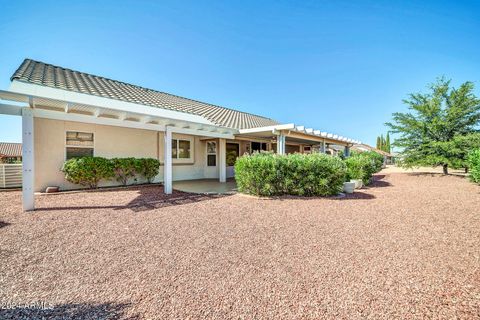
(473,161)
(88,171)
(268,174)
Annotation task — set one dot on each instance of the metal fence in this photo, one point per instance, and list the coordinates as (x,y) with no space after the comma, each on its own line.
(10,175)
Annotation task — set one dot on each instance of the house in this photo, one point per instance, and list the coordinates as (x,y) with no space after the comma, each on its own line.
(10,152)
(66,113)
(388,158)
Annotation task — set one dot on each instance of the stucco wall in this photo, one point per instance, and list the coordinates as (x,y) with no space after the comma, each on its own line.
(109,142)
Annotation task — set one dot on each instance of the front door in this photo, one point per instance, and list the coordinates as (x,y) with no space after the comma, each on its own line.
(233,151)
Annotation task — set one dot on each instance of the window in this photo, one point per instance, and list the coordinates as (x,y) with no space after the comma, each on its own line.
(233,151)
(211,153)
(180,149)
(259,146)
(79,144)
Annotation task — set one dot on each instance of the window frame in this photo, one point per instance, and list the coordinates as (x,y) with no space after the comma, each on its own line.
(66,145)
(211,153)
(192,150)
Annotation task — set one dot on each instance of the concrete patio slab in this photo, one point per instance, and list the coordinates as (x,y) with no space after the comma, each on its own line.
(206,186)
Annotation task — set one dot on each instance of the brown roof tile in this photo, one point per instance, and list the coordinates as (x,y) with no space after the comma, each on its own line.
(61,78)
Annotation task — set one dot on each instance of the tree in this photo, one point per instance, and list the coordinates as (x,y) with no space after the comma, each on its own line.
(431,133)
(387,143)
(379,143)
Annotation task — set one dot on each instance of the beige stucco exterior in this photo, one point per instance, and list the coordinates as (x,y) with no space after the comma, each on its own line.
(110,142)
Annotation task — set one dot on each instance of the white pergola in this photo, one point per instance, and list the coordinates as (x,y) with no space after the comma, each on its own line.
(32,101)
(282,131)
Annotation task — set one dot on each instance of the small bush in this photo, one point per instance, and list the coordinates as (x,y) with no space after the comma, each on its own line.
(148,168)
(87,171)
(355,167)
(364,165)
(124,169)
(473,161)
(268,174)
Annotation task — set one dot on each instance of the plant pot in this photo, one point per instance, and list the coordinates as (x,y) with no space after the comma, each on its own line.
(358,183)
(348,187)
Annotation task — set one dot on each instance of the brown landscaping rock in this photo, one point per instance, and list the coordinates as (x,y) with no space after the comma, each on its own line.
(406,247)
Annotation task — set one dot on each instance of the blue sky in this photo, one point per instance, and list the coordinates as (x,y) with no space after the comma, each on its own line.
(338,66)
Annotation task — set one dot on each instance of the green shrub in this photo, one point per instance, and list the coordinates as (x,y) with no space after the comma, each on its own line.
(268,174)
(363,165)
(355,167)
(87,171)
(124,169)
(148,168)
(473,161)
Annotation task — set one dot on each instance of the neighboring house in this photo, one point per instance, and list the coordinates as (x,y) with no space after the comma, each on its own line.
(67,113)
(362,147)
(10,152)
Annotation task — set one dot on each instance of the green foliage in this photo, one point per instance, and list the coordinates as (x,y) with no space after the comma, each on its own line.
(431,133)
(268,174)
(384,143)
(87,171)
(363,165)
(474,165)
(148,168)
(124,169)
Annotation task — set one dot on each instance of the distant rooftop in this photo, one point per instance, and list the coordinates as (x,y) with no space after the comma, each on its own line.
(44,74)
(10,149)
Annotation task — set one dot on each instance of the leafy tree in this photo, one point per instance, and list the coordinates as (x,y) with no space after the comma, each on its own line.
(432,131)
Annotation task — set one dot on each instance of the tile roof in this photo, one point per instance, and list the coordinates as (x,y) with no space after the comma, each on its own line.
(9,149)
(61,78)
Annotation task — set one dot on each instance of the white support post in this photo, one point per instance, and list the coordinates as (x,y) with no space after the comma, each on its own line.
(28,159)
(281,144)
(222,160)
(324,149)
(167,162)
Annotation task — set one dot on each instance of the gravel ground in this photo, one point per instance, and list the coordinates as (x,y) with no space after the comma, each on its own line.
(407,247)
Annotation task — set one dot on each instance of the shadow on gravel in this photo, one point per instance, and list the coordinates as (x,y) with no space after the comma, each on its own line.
(3,224)
(149,198)
(67,311)
(435,174)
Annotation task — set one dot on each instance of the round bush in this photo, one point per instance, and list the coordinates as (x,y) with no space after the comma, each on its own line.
(268,174)
(148,168)
(87,171)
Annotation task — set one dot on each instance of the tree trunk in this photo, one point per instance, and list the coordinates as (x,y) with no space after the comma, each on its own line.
(445,169)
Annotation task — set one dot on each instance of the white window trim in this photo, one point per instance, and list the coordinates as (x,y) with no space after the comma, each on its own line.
(74,146)
(192,150)
(209,154)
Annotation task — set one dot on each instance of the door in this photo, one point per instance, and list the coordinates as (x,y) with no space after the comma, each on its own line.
(233,151)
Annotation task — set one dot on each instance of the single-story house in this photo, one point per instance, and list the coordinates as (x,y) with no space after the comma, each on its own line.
(10,152)
(388,158)
(66,113)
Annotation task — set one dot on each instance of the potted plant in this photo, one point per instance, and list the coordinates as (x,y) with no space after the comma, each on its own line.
(348,187)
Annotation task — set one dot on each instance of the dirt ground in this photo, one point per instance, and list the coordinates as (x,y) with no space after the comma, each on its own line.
(407,247)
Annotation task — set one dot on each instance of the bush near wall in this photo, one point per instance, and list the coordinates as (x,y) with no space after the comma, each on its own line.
(88,171)
(473,161)
(267,174)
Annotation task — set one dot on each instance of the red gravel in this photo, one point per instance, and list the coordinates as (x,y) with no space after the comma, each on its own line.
(407,247)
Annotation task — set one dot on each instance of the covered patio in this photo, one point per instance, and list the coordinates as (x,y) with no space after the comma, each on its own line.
(206,186)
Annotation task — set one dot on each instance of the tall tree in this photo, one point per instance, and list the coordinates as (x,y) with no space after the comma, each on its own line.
(431,132)
(387,143)
(379,143)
